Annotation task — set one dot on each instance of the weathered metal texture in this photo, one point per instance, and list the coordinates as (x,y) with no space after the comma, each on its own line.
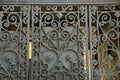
(105,41)
(14,28)
(58,1)
(60,36)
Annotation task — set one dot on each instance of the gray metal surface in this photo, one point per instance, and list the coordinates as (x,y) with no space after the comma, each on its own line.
(105,41)
(60,36)
(58,1)
(14,28)
(69,41)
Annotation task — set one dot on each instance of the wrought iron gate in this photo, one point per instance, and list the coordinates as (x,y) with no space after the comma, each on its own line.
(14,28)
(69,42)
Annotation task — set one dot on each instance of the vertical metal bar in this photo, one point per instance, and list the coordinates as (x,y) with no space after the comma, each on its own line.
(32,21)
(90,35)
(40,39)
(87,42)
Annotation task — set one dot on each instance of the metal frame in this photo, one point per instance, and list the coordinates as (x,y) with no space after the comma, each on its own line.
(59,42)
(61,36)
(14,31)
(105,41)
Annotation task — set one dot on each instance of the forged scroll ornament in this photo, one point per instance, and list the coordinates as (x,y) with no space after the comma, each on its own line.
(64,23)
(48,8)
(13,18)
(65,35)
(104,17)
(103,37)
(73,38)
(5,36)
(113,34)
(113,23)
(47,18)
(12,21)
(54,35)
(111,7)
(45,38)
(71,17)
(108,36)
(53,8)
(106,7)
(6,8)
(5,24)
(55,24)
(70,8)
(64,8)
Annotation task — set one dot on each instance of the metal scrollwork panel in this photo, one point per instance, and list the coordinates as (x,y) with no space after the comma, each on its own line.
(59,36)
(14,23)
(105,41)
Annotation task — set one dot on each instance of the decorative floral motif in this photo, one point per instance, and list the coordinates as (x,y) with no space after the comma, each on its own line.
(61,37)
(59,50)
(104,42)
(13,42)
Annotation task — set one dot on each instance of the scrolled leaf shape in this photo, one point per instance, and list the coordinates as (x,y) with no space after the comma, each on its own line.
(49,58)
(69,56)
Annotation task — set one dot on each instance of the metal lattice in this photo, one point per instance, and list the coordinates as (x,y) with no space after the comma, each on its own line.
(59,42)
(105,41)
(69,42)
(14,27)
